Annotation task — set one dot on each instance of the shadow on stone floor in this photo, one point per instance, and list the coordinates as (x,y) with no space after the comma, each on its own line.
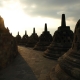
(18,70)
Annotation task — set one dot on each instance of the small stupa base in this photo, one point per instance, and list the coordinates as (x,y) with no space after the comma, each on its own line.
(40,48)
(50,57)
(53,54)
(58,74)
(29,45)
(22,44)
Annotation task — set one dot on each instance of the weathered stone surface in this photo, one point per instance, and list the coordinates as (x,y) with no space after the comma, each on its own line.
(33,39)
(62,41)
(44,40)
(68,67)
(8,46)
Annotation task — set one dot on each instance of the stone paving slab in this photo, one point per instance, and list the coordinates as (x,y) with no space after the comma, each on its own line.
(28,65)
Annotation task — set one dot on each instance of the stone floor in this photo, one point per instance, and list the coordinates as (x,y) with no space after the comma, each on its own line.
(28,65)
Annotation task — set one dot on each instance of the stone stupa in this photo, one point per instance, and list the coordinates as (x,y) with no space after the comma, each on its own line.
(33,39)
(2,26)
(62,41)
(24,39)
(44,40)
(8,46)
(68,67)
(18,39)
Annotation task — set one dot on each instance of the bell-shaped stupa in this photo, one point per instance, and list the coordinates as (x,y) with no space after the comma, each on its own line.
(24,39)
(68,67)
(8,47)
(33,39)
(2,26)
(44,40)
(62,41)
(18,39)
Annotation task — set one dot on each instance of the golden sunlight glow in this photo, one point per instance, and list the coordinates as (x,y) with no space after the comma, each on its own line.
(14,17)
(17,20)
(33,6)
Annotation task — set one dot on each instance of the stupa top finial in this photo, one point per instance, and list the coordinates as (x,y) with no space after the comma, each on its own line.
(18,32)
(25,32)
(63,22)
(34,30)
(45,27)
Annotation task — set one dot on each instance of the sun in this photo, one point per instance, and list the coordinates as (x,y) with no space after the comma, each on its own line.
(14,17)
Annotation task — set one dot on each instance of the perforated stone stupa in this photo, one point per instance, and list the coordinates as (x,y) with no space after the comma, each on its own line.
(68,67)
(8,46)
(44,40)
(18,39)
(33,39)
(62,41)
(24,39)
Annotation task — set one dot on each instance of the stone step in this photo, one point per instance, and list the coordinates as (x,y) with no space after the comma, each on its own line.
(73,61)
(77,55)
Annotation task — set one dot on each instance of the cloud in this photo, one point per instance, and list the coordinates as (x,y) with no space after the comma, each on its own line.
(52,8)
(49,8)
(46,10)
(1,3)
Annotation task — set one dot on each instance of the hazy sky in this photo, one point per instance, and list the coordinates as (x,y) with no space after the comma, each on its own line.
(21,15)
